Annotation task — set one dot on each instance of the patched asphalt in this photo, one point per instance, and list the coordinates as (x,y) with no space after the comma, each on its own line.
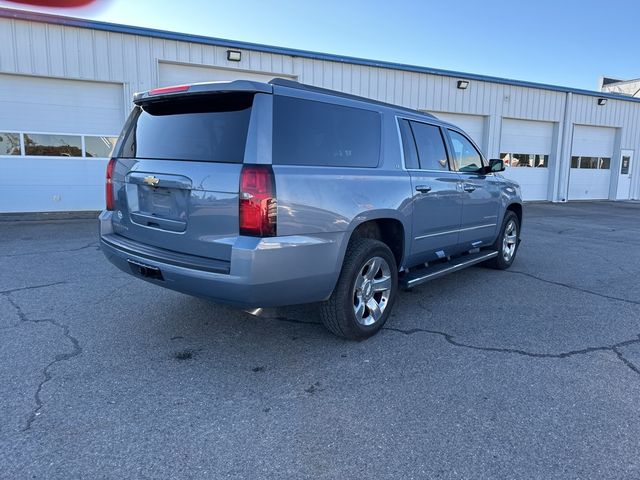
(528,373)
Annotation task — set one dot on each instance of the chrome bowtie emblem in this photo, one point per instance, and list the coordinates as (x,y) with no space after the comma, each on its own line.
(151,180)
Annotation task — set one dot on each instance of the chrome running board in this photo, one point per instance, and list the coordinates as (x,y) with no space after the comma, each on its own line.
(417,277)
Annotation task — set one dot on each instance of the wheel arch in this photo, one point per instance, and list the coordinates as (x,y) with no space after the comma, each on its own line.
(384,225)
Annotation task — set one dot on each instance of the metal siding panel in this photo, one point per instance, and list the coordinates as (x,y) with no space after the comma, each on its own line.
(39,49)
(208,55)
(71,54)
(354,74)
(407,87)
(182,52)
(276,64)
(86,54)
(251,60)
(347,75)
(101,55)
(55,50)
(115,56)
(318,74)
(397,87)
(8,60)
(146,65)
(414,97)
(288,64)
(195,53)
(220,57)
(336,77)
(130,61)
(174,74)
(22,39)
(373,82)
(170,50)
(382,84)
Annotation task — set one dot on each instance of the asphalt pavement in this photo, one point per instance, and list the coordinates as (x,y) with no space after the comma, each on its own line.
(528,373)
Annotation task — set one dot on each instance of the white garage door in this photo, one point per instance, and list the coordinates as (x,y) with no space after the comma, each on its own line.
(473,125)
(591,153)
(525,147)
(55,136)
(176,74)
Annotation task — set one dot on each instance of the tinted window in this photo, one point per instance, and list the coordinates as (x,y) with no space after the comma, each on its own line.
(431,151)
(208,129)
(99,146)
(314,133)
(53,145)
(408,145)
(9,143)
(467,158)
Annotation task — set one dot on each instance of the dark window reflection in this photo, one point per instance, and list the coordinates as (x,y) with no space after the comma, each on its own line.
(53,145)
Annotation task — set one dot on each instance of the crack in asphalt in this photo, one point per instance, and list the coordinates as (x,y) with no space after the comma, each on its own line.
(77,249)
(61,357)
(21,289)
(572,287)
(615,348)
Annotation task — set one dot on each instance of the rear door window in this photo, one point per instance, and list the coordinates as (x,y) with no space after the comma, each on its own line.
(307,132)
(200,128)
(431,150)
(409,146)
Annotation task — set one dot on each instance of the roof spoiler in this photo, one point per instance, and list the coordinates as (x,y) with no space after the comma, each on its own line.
(163,93)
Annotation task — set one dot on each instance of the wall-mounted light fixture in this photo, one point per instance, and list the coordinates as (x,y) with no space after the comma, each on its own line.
(602,101)
(463,84)
(234,55)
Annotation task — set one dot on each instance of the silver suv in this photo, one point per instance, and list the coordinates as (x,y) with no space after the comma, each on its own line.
(261,195)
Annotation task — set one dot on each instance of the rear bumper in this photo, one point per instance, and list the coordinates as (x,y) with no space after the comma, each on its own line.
(263,272)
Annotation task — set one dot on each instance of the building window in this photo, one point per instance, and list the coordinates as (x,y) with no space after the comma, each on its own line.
(535,160)
(593,163)
(9,143)
(99,146)
(52,145)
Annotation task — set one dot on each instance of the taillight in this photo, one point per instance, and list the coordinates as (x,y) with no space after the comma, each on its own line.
(109,186)
(258,207)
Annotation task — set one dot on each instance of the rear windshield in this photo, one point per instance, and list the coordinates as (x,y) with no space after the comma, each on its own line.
(209,128)
(306,132)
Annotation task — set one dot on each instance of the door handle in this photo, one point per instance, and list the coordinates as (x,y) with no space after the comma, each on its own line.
(423,188)
(469,188)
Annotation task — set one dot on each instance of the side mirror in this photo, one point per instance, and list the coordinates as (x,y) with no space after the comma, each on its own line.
(496,165)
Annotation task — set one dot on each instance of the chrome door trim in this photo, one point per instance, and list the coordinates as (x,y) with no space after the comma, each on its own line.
(455,231)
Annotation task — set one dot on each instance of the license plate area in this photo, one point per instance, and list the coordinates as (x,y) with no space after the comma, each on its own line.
(169,203)
(159,207)
(146,271)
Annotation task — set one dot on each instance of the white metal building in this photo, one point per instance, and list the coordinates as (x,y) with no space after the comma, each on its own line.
(66,87)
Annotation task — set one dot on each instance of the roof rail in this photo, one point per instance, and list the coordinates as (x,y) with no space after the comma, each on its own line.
(285,82)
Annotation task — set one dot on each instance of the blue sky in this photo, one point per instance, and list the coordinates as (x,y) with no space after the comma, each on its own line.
(569,43)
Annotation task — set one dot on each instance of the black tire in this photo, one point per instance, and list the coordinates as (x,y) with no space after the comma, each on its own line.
(500,262)
(338,313)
